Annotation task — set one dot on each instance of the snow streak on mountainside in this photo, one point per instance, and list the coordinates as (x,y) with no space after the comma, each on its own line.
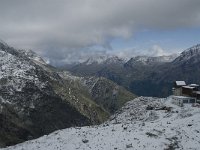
(144,123)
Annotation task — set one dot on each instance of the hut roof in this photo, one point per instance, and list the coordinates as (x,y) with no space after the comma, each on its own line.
(180,83)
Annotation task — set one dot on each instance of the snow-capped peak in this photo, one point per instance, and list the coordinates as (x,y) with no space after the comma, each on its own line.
(192,50)
(104,59)
(114,60)
(189,53)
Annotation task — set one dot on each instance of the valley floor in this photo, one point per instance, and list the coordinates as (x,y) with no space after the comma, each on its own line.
(134,127)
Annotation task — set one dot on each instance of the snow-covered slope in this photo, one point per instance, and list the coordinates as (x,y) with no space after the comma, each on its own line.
(143,123)
(17,71)
(33,56)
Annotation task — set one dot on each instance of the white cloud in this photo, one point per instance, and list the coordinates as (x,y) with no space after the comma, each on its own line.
(128,53)
(156,50)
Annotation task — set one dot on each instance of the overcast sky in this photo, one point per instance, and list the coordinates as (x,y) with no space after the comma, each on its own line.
(69,30)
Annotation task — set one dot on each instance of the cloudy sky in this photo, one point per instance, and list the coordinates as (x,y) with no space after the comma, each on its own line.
(70,30)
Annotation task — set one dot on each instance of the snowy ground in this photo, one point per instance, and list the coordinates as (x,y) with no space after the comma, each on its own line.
(167,127)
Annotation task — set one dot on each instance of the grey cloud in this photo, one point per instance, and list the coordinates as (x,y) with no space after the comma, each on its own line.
(63,28)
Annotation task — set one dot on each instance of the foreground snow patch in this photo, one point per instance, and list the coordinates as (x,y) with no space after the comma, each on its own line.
(162,126)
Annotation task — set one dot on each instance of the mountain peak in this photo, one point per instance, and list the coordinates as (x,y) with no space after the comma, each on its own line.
(195,48)
(189,53)
(104,59)
(23,53)
(114,60)
(32,55)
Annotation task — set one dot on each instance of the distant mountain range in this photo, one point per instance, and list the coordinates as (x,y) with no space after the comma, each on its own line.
(36,98)
(147,76)
(145,60)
